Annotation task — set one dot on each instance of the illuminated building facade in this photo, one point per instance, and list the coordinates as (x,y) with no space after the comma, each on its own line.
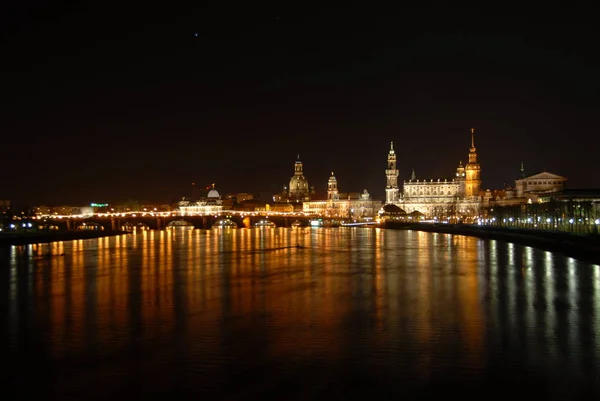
(343,205)
(211,204)
(298,189)
(527,189)
(43,210)
(443,198)
(539,184)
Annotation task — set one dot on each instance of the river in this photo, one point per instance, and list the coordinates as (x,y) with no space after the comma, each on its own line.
(296,314)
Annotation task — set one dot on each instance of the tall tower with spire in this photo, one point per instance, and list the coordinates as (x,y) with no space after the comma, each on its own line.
(472,171)
(391,189)
(332,188)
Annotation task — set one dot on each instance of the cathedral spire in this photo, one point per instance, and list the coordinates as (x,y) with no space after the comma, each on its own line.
(413,176)
(391,189)
(522,170)
(472,150)
(472,172)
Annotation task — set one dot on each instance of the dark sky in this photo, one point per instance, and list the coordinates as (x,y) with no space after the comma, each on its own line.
(105,103)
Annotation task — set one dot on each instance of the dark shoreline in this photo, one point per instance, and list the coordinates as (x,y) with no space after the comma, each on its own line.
(584,247)
(45,237)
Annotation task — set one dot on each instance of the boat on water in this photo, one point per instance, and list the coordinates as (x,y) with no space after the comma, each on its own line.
(264,223)
(325,223)
(224,223)
(296,223)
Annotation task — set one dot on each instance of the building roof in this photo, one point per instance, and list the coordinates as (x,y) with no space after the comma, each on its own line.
(543,175)
(213,193)
(393,210)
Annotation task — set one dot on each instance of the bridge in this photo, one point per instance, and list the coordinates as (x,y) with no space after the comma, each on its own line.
(159,220)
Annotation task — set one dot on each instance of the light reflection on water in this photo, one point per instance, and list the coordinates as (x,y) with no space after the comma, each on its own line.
(245,313)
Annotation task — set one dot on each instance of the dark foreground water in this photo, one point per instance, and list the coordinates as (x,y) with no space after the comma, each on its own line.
(355,313)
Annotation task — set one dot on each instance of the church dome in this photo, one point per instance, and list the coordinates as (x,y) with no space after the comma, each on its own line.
(213,193)
(298,183)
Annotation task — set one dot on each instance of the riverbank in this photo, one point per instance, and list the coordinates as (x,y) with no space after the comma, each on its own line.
(25,238)
(585,247)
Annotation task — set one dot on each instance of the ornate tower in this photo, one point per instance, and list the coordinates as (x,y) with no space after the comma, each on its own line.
(298,166)
(472,171)
(298,189)
(332,188)
(460,172)
(391,189)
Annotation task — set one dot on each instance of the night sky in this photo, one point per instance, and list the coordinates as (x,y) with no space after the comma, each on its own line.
(106,104)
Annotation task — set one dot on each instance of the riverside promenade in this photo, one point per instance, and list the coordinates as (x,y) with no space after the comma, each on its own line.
(580,246)
(37,237)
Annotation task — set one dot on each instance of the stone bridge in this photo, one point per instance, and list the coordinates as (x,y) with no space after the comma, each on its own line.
(125,223)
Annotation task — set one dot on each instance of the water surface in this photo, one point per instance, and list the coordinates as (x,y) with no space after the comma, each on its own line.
(353,313)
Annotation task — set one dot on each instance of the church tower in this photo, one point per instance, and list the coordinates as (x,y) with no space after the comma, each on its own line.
(472,171)
(391,189)
(332,188)
(298,189)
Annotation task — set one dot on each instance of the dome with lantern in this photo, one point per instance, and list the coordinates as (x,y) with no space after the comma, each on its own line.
(298,188)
